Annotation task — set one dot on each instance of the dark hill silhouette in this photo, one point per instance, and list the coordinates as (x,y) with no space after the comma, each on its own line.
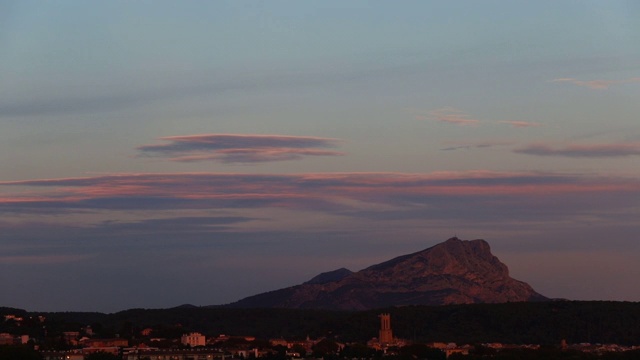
(453,272)
(546,323)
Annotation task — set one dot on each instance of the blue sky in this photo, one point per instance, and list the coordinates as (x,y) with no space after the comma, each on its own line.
(160,153)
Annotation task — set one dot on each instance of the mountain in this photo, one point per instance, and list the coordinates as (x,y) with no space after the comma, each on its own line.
(453,272)
(331,276)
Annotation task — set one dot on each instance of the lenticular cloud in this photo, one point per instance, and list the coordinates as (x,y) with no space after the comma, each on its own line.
(240,148)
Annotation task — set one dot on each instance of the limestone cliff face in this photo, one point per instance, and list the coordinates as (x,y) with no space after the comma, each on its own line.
(453,272)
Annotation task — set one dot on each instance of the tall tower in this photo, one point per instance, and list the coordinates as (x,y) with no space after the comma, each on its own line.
(386,336)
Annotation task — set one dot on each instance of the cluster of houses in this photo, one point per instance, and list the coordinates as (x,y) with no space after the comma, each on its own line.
(12,339)
(596,348)
(196,346)
(9,339)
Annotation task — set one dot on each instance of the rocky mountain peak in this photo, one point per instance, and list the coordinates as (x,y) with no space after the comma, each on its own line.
(455,271)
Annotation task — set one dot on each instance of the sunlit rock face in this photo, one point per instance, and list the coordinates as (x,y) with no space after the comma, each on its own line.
(453,272)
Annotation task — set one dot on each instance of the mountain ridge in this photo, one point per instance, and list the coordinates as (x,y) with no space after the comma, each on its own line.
(453,272)
(330,276)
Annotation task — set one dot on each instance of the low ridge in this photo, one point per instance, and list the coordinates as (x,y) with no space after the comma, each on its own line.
(453,272)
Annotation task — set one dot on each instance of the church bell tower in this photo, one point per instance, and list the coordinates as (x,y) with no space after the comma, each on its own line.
(385,336)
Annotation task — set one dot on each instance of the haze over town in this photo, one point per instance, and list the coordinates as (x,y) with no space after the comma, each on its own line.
(160,153)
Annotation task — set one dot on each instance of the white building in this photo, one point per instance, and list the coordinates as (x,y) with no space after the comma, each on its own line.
(193,339)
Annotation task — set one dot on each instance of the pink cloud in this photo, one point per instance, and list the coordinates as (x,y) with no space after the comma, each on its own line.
(583,150)
(452,116)
(240,148)
(305,191)
(597,84)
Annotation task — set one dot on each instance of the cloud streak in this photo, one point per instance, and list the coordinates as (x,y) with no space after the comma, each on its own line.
(452,116)
(520,124)
(582,150)
(190,224)
(455,116)
(240,148)
(480,145)
(333,193)
(596,84)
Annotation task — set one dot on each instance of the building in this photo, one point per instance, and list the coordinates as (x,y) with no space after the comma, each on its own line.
(6,339)
(385,339)
(71,337)
(13,317)
(104,343)
(280,342)
(385,333)
(193,339)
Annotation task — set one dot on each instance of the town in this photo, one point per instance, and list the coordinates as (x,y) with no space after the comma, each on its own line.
(168,344)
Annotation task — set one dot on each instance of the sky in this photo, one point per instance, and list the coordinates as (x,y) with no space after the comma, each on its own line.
(157,153)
